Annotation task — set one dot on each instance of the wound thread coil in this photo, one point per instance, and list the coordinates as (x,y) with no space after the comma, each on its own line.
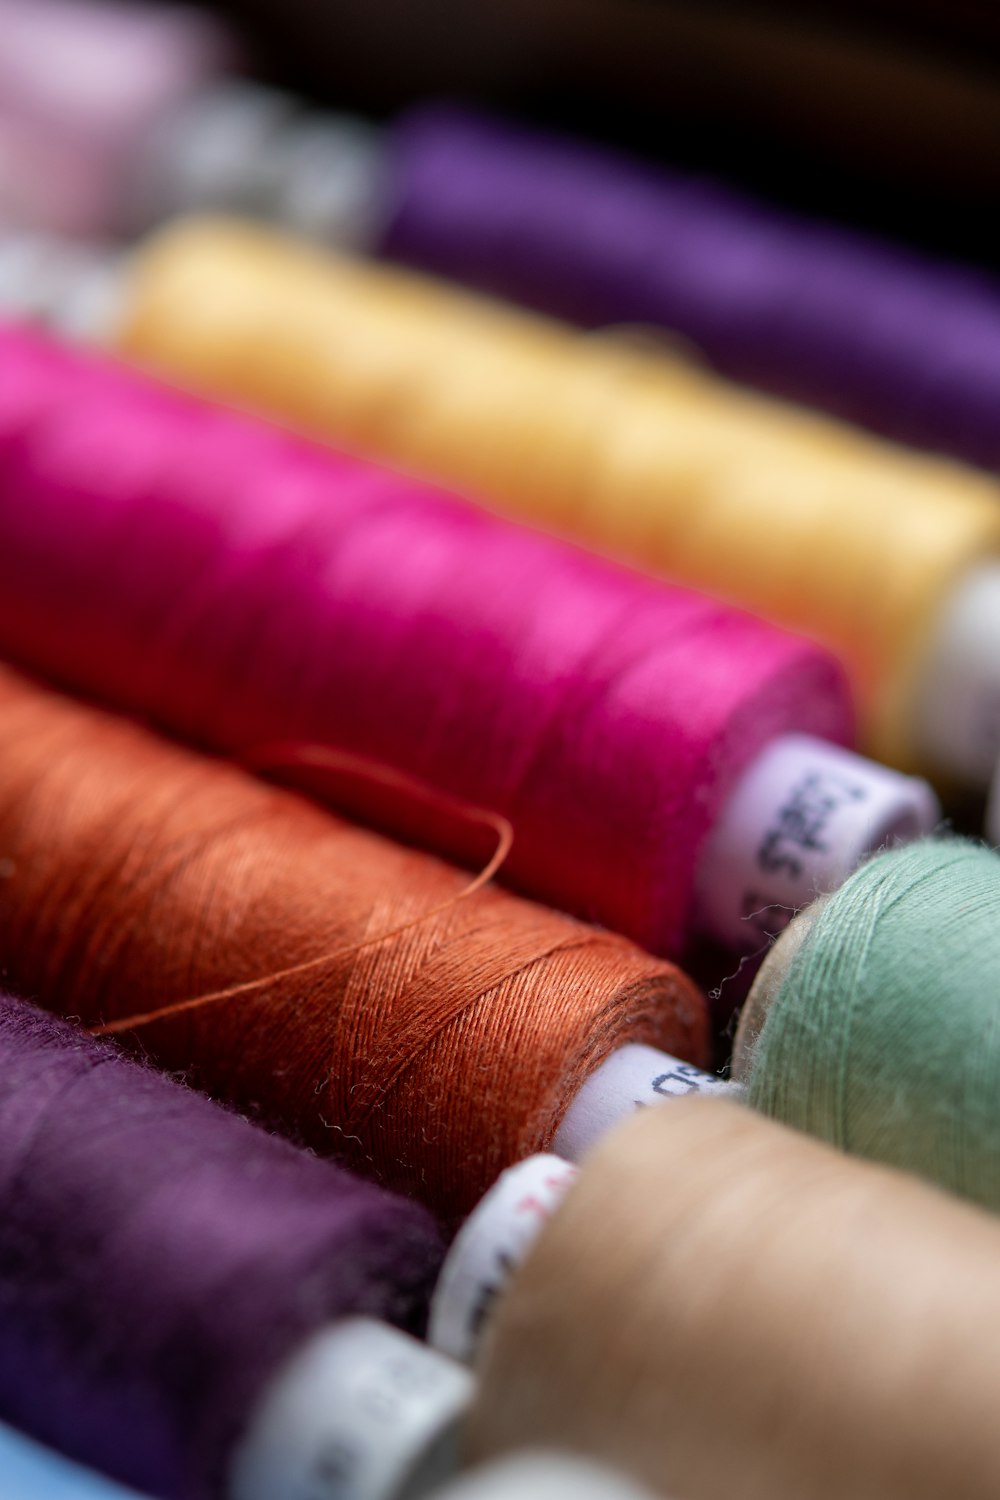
(428,1036)
(813,311)
(160,1258)
(722,1306)
(244,587)
(878,1023)
(826,530)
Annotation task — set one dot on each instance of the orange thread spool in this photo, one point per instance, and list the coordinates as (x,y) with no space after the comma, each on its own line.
(136,874)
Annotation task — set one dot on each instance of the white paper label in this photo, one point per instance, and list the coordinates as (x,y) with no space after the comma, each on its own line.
(632,1078)
(801,819)
(489,1248)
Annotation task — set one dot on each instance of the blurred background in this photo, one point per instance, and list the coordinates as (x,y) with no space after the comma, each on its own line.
(885,113)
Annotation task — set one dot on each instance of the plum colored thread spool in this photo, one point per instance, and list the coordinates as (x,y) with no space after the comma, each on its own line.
(86,88)
(35,1473)
(166,1267)
(875,1023)
(811,311)
(863,546)
(243,586)
(373,1007)
(832,1309)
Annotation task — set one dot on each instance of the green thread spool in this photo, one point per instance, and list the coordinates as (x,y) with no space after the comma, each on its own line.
(875,1023)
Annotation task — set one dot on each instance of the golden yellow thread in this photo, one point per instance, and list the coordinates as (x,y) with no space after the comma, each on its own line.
(831,532)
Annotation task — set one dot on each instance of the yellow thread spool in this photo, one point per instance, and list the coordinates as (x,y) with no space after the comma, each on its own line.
(823,529)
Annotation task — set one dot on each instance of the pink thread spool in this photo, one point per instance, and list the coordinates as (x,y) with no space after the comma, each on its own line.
(244,586)
(85,85)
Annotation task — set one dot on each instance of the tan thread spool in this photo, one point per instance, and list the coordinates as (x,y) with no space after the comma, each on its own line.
(732,1311)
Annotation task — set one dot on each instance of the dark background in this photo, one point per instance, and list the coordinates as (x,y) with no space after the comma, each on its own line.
(886,112)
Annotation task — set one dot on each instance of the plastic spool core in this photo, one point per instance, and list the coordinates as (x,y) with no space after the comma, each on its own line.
(360,1410)
(800,820)
(488,1249)
(957,717)
(633,1077)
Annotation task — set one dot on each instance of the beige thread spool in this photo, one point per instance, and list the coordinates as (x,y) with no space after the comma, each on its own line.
(731,1311)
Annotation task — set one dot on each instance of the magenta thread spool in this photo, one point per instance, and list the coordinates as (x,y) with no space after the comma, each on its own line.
(244,586)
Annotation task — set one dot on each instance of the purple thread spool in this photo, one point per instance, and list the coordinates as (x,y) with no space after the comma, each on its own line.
(897,342)
(161,1258)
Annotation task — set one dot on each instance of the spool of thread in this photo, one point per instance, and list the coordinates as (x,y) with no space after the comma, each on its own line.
(30,1472)
(875,1023)
(811,311)
(645,743)
(505,1223)
(860,545)
(371,1005)
(167,1272)
(87,87)
(919,117)
(721,1306)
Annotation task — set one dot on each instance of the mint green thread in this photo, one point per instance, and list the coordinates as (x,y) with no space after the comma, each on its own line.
(884,1037)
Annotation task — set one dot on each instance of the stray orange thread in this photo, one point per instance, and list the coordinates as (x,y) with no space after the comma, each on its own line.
(269,757)
(419,1022)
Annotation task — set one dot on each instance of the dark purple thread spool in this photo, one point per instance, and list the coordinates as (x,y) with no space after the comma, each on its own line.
(160,1257)
(898,343)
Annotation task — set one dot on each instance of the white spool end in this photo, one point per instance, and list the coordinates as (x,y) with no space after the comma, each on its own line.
(332,181)
(492,1243)
(76,288)
(957,722)
(542,1476)
(362,1412)
(632,1078)
(217,153)
(241,148)
(800,820)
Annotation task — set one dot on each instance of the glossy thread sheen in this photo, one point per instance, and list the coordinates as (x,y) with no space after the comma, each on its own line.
(812,524)
(160,1258)
(244,586)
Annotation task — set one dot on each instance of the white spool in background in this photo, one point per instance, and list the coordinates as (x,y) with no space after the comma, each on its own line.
(361,1412)
(958,712)
(542,1476)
